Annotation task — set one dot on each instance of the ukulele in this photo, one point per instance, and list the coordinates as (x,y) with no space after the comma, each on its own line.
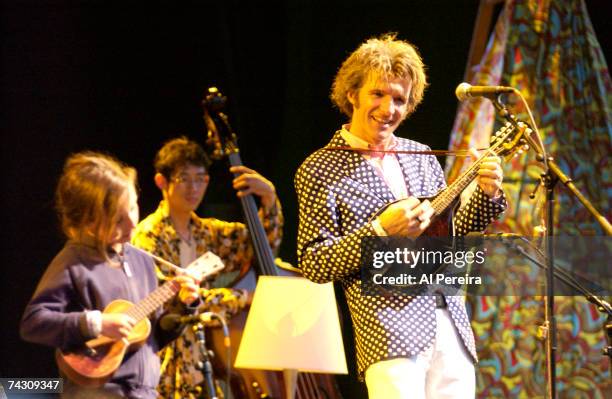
(95,363)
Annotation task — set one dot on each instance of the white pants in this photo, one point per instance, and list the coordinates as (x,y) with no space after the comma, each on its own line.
(443,371)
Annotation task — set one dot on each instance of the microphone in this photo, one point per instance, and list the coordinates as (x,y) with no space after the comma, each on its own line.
(466,90)
(171,321)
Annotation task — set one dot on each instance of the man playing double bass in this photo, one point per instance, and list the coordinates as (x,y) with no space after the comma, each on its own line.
(407,346)
(175,233)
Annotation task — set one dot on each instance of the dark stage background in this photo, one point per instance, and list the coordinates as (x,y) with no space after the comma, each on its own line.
(123,78)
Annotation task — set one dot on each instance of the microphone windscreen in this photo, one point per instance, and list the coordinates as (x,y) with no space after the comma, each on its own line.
(170,321)
(462,91)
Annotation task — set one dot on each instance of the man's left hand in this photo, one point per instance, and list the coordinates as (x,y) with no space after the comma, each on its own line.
(249,181)
(490,174)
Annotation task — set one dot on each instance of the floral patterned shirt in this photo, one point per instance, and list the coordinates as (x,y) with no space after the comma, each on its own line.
(231,242)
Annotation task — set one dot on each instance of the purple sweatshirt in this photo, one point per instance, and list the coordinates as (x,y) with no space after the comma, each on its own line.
(78,279)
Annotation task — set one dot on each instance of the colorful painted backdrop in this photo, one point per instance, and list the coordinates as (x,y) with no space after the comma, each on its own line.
(548,50)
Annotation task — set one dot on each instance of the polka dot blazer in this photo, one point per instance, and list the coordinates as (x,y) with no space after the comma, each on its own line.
(338,192)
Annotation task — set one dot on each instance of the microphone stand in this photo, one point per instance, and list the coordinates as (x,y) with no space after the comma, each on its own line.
(550,178)
(549,328)
(204,365)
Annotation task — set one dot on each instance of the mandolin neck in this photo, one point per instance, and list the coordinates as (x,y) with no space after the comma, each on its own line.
(450,193)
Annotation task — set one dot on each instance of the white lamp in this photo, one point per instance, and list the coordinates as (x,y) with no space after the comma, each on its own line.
(292,326)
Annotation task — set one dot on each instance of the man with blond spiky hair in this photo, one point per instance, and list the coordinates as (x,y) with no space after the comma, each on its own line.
(407,346)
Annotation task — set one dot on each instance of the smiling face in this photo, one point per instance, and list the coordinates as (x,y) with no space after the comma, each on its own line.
(379,106)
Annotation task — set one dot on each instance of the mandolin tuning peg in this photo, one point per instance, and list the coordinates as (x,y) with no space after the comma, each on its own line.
(526,147)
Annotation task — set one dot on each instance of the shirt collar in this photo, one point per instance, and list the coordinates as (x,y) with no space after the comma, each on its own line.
(164,209)
(357,142)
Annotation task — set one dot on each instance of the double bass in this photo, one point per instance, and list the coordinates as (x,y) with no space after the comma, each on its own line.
(244,383)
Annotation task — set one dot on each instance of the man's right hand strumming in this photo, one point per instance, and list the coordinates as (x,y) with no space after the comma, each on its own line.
(407,218)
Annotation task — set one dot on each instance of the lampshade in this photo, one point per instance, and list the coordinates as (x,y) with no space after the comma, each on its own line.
(292,325)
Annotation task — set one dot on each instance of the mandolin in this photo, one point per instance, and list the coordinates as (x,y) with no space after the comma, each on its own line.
(505,143)
(95,363)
